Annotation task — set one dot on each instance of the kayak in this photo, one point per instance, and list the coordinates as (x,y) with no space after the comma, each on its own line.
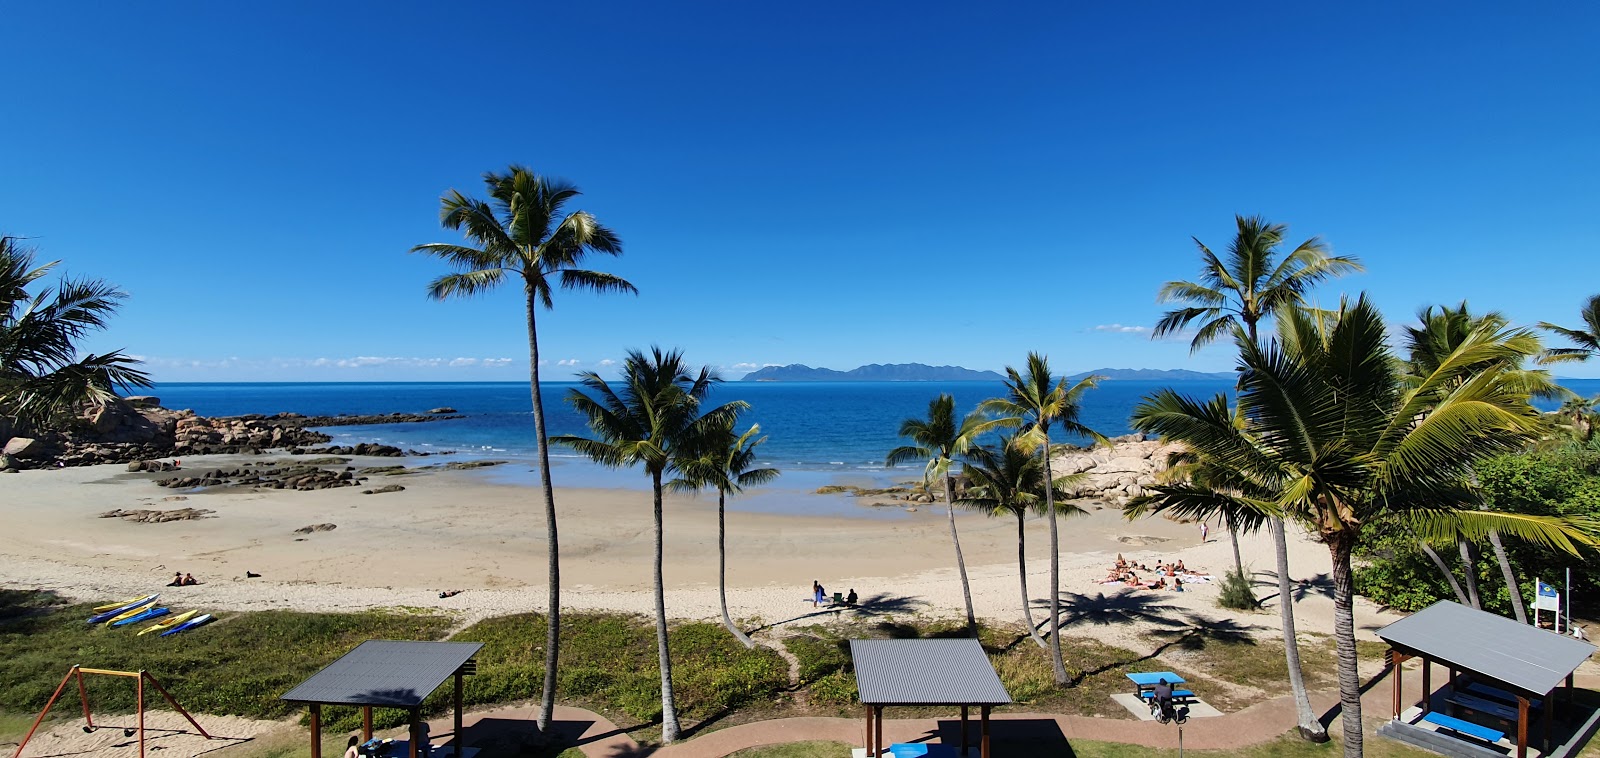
(187,625)
(124,608)
(114,606)
(130,613)
(166,624)
(145,615)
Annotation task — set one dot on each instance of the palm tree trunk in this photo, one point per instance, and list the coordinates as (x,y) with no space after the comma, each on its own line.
(1449,576)
(669,710)
(1022,574)
(1310,727)
(552,631)
(961,563)
(1511,578)
(1233,534)
(1344,636)
(722,573)
(1469,571)
(1056,662)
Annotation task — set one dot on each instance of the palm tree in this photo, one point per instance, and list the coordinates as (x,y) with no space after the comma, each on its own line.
(1006,481)
(938,440)
(42,379)
(521,232)
(1344,440)
(1249,286)
(651,422)
(1035,401)
(1586,338)
(720,460)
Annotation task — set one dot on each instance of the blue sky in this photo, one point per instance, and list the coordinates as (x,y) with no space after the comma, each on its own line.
(822,183)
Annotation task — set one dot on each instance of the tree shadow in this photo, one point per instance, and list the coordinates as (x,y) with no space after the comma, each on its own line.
(1321,584)
(1120,608)
(881,604)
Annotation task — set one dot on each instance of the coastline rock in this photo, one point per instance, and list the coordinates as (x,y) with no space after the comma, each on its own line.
(383,489)
(158,517)
(441,411)
(143,401)
(468,465)
(303,478)
(25,447)
(297,421)
(136,466)
(316,528)
(1116,474)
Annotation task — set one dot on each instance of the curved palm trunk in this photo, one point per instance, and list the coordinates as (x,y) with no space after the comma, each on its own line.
(1344,636)
(552,635)
(1233,534)
(961,563)
(1309,726)
(1511,578)
(1056,663)
(1469,571)
(1022,574)
(669,710)
(722,572)
(1444,568)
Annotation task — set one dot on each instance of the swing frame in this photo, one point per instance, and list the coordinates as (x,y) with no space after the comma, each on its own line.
(139,677)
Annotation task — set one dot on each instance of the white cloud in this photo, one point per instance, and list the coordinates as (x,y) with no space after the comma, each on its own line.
(744,367)
(606,362)
(568,362)
(1120,329)
(352,362)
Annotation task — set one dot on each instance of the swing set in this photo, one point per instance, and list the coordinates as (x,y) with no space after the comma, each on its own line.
(140,677)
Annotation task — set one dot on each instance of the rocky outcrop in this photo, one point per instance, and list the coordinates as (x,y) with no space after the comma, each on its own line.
(1117,473)
(443,411)
(268,477)
(316,528)
(384,489)
(364,448)
(298,421)
(158,517)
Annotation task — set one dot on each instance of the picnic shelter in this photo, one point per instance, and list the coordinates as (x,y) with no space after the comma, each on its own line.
(921,672)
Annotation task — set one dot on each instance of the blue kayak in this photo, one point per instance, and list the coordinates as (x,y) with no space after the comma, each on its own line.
(118,611)
(149,613)
(190,624)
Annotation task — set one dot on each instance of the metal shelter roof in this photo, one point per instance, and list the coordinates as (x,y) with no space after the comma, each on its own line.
(385,673)
(925,672)
(1528,659)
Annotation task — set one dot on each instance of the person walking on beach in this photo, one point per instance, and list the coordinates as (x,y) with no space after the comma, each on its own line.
(1205,531)
(817,593)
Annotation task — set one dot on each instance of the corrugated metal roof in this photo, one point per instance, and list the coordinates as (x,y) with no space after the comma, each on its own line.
(1528,659)
(385,673)
(925,672)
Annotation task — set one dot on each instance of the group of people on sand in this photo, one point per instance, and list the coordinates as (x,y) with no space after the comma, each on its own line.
(1167,575)
(180,579)
(819,596)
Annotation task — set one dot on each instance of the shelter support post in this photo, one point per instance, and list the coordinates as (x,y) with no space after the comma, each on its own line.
(457,738)
(1522,726)
(138,689)
(415,733)
(316,730)
(1394,665)
(1569,689)
(983,729)
(1549,716)
(877,731)
(366,723)
(1427,684)
(866,739)
(963,730)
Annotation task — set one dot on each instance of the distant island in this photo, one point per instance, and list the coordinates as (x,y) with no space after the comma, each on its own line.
(919,372)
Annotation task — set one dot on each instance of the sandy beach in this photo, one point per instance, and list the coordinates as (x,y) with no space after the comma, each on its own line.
(461,530)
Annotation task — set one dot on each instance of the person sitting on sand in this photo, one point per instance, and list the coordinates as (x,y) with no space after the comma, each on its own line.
(1132,579)
(1177,584)
(1159,584)
(851,598)
(177,580)
(1179,566)
(188,580)
(1171,570)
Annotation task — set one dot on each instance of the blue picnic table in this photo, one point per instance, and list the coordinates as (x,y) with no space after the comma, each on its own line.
(1144,684)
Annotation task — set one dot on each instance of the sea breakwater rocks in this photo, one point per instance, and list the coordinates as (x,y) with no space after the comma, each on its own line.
(364,448)
(1117,473)
(301,478)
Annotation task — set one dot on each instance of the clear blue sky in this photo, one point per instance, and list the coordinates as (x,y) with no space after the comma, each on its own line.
(822,183)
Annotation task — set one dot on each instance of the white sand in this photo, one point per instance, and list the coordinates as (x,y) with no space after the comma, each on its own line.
(456,530)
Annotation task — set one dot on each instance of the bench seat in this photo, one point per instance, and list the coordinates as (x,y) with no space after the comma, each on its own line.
(1463,727)
(1176,695)
(1497,710)
(1495,693)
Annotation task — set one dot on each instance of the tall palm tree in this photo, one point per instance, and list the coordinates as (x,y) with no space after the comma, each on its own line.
(1344,440)
(938,440)
(1006,481)
(524,231)
(1237,293)
(1586,338)
(42,378)
(1035,401)
(721,460)
(650,421)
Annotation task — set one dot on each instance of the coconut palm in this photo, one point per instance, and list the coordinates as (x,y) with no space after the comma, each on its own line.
(1006,481)
(42,378)
(938,440)
(721,460)
(649,421)
(1586,338)
(1035,401)
(1344,440)
(524,232)
(1238,293)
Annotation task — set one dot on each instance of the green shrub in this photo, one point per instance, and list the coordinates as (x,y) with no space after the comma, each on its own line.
(582,681)
(1236,592)
(838,688)
(818,657)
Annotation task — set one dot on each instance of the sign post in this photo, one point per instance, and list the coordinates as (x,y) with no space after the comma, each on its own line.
(1546,599)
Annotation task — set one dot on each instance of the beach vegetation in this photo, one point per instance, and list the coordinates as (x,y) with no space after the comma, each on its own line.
(44,382)
(1585,339)
(652,420)
(938,441)
(1347,439)
(525,233)
(1034,403)
(1236,592)
(1005,481)
(718,458)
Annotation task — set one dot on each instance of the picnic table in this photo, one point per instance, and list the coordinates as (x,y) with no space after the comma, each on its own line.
(1144,684)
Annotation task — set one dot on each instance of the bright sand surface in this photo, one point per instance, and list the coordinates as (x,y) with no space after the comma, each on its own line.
(461,530)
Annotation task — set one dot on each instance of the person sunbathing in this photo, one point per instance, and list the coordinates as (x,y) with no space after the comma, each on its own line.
(1132,579)
(1171,571)
(1180,567)
(1159,584)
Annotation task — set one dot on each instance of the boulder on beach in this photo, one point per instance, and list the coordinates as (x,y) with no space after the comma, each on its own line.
(25,447)
(316,528)
(383,489)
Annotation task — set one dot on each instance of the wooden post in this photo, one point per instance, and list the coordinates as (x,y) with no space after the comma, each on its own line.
(83,695)
(316,730)
(1549,715)
(1522,726)
(877,730)
(366,723)
(963,730)
(1394,665)
(866,741)
(983,739)
(1427,685)
(415,733)
(139,693)
(457,739)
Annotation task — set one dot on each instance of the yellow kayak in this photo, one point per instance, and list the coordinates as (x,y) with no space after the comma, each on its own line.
(131,612)
(167,624)
(116,605)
